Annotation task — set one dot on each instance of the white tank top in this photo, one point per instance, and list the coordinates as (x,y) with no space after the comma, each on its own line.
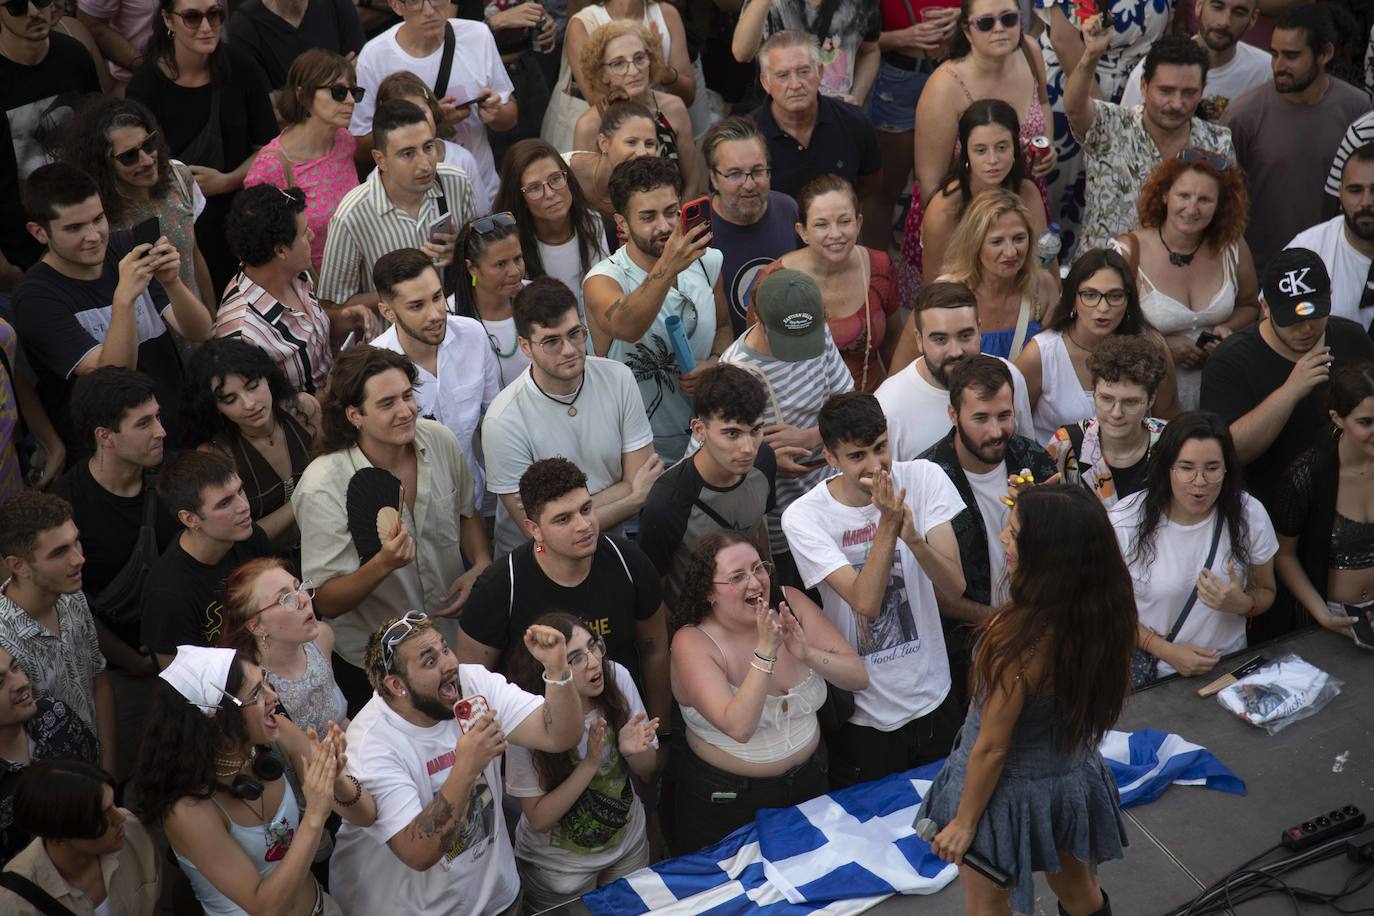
(1063,400)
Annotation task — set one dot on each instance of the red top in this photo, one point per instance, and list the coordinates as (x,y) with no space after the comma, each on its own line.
(895,11)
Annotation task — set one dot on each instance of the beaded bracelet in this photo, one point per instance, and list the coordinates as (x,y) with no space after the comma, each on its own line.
(357,792)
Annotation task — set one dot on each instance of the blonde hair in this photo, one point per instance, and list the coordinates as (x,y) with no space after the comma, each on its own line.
(594,53)
(962,261)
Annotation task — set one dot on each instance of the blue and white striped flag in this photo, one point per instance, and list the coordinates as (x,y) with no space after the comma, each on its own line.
(845,852)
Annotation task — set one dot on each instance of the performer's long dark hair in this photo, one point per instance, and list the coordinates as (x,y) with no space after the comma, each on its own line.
(1070,585)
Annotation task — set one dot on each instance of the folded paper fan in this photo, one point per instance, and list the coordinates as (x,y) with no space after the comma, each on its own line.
(374,501)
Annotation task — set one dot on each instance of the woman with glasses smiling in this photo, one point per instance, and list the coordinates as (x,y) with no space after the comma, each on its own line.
(1200,551)
(750,677)
(214,107)
(315,150)
(1197,278)
(269,616)
(1099,300)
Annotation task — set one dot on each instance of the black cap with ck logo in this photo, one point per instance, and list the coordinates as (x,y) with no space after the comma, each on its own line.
(1296,287)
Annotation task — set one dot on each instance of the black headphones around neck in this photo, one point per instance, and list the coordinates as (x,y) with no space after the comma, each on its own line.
(268,766)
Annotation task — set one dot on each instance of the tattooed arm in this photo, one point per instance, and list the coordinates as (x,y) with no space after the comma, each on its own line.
(621,315)
(435,831)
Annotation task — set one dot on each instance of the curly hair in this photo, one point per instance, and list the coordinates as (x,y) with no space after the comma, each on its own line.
(374,659)
(594,53)
(241,608)
(546,480)
(348,388)
(180,742)
(694,601)
(527,673)
(639,176)
(312,70)
(1128,358)
(86,145)
(963,257)
(1233,202)
(261,218)
(729,393)
(25,516)
(206,372)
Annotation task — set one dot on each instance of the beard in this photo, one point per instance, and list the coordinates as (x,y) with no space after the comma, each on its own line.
(1300,81)
(986,452)
(429,704)
(651,245)
(941,372)
(1227,43)
(1364,233)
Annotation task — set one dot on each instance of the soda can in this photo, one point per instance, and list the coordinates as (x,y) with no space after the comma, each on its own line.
(1038,148)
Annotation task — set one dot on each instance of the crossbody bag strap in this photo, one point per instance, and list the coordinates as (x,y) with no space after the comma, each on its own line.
(446,61)
(1018,339)
(1192,596)
(713,515)
(41,899)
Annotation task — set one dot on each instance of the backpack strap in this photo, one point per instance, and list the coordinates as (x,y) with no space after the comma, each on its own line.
(41,899)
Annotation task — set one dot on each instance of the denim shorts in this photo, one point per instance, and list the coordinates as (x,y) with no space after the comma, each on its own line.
(892,103)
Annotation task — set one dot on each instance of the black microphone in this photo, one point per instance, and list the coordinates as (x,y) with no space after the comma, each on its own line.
(926,830)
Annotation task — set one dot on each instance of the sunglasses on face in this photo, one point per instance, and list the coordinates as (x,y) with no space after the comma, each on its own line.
(20,7)
(129,158)
(1215,160)
(193,19)
(1010,19)
(338,92)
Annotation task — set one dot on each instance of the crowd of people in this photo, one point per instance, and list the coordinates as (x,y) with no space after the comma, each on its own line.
(453,455)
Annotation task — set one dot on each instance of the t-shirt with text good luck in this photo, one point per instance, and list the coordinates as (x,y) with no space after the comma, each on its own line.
(476,63)
(1245,370)
(35,102)
(1163,585)
(524,425)
(903,649)
(60,320)
(183,598)
(605,820)
(749,249)
(404,766)
(621,589)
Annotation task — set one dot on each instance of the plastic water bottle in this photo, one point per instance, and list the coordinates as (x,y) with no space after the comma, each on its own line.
(1047,247)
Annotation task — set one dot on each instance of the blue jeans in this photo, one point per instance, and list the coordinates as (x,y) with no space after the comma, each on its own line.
(892,103)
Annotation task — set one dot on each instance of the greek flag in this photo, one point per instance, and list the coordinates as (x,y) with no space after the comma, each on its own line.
(844,852)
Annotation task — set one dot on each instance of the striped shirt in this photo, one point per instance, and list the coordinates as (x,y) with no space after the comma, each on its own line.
(796,392)
(367,225)
(1356,136)
(297,341)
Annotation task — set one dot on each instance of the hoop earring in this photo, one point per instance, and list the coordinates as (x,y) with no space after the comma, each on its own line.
(1073,313)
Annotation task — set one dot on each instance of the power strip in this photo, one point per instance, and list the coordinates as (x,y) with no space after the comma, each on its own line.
(1323,827)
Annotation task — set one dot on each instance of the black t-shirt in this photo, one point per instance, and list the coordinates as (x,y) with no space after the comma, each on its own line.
(60,320)
(108,525)
(183,599)
(749,249)
(1245,370)
(273,44)
(36,102)
(1128,480)
(843,143)
(245,109)
(610,600)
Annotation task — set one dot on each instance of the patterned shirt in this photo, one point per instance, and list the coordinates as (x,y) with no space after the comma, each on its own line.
(297,341)
(1120,156)
(367,225)
(53,732)
(60,665)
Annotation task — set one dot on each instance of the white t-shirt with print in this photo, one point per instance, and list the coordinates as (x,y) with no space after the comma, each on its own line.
(988,490)
(404,766)
(1163,587)
(904,647)
(583,842)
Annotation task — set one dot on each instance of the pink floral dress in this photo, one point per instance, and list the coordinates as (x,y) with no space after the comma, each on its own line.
(325,182)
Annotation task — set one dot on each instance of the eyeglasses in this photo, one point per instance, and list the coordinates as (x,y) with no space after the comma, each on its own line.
(1195,154)
(760,570)
(129,158)
(485,225)
(1009,20)
(1188,472)
(406,624)
(193,19)
(291,600)
(254,698)
(1106,403)
(338,92)
(552,346)
(738,176)
(1092,298)
(555,182)
(596,648)
(20,7)
(411,6)
(620,66)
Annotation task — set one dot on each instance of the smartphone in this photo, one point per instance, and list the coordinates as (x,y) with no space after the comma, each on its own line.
(1207,337)
(1363,626)
(695,213)
(349,341)
(469,709)
(812,462)
(147,232)
(477,101)
(441,226)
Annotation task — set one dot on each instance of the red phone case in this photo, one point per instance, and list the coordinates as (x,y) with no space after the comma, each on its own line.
(469,709)
(696,212)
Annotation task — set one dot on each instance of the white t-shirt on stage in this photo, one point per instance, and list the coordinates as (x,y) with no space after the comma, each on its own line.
(988,490)
(1163,587)
(404,766)
(904,647)
(918,412)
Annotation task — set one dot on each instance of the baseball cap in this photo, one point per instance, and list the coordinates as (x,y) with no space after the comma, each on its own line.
(789,306)
(1296,287)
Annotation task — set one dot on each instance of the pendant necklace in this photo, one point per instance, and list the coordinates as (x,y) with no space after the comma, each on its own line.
(570,404)
(1178,259)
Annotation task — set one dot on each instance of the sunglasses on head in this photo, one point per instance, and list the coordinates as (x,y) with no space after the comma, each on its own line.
(193,19)
(20,7)
(1009,19)
(338,92)
(129,158)
(1215,160)
(485,225)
